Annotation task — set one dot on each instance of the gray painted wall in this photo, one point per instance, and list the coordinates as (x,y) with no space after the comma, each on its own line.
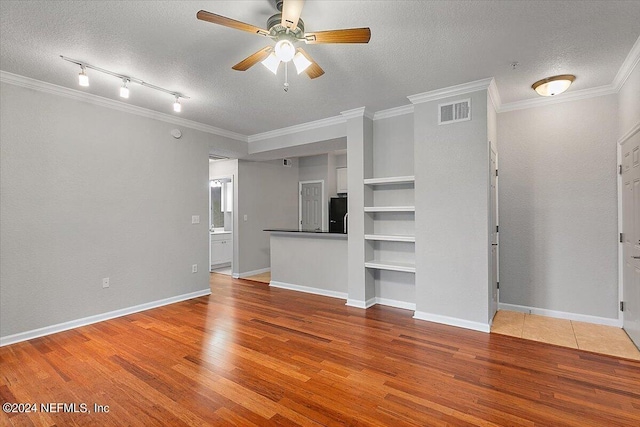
(268,195)
(452,212)
(89,192)
(361,285)
(558,207)
(393,146)
(312,261)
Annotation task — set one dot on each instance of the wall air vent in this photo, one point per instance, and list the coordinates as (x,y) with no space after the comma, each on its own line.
(452,112)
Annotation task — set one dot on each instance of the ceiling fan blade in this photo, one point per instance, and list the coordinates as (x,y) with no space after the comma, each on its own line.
(203,15)
(349,35)
(253,59)
(313,70)
(291,10)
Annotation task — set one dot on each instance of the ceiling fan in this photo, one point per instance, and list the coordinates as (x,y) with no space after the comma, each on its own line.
(287,29)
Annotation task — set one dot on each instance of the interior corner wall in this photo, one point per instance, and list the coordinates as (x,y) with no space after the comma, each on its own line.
(89,192)
(452,216)
(558,207)
(261,187)
(629,103)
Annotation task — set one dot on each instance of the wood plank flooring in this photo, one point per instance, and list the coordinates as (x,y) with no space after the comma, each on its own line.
(250,355)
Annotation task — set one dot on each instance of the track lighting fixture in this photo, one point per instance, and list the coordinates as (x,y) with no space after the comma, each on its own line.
(83,80)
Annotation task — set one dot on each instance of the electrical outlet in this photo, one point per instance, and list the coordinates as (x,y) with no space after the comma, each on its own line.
(194,268)
(105,282)
(195,219)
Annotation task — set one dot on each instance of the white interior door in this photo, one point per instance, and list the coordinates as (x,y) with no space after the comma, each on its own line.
(631,237)
(493,213)
(311,200)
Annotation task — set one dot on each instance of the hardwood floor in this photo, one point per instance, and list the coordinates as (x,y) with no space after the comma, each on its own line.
(250,355)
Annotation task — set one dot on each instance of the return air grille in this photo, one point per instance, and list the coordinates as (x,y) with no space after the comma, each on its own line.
(452,112)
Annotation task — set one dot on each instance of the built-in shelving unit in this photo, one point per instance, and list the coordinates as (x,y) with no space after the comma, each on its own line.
(390,209)
(389,225)
(389,238)
(410,179)
(391,266)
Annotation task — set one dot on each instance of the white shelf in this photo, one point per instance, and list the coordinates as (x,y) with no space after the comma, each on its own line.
(390,209)
(392,266)
(390,180)
(389,238)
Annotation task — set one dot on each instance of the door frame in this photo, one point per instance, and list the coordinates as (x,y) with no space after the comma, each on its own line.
(620,244)
(234,222)
(621,141)
(325,224)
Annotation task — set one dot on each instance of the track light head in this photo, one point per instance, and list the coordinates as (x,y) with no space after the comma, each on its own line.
(83,79)
(176,105)
(124,90)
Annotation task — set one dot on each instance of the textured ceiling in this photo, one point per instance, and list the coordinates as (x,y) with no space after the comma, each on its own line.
(416,46)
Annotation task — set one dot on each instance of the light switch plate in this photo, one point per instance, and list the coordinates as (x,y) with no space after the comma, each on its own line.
(195,219)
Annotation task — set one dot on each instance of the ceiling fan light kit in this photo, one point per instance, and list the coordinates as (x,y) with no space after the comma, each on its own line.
(552,86)
(287,29)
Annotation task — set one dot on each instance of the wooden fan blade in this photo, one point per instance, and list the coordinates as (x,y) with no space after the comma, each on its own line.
(203,15)
(349,35)
(313,70)
(291,10)
(253,59)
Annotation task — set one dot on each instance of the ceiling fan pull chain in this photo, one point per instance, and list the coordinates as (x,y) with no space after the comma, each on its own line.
(286,77)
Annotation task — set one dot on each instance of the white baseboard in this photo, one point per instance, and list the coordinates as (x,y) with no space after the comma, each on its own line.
(308,290)
(65,326)
(452,321)
(251,273)
(562,315)
(361,304)
(395,303)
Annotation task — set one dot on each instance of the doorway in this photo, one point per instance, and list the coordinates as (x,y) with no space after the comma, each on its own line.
(312,206)
(630,305)
(221,225)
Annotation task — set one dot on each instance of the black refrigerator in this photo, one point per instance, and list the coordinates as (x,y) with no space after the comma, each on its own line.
(337,215)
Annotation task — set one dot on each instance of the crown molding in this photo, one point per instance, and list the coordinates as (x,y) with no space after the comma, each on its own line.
(317,124)
(565,97)
(29,83)
(629,64)
(450,91)
(357,112)
(393,112)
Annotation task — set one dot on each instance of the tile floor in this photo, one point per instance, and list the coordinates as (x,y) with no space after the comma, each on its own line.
(566,333)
